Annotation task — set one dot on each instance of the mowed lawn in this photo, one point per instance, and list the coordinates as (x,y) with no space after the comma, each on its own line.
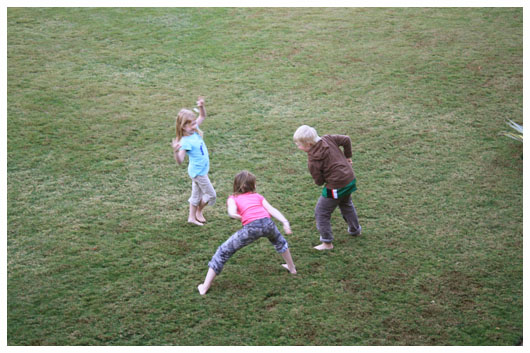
(99,250)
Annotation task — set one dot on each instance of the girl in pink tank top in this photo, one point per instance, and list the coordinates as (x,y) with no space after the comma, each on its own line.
(255,213)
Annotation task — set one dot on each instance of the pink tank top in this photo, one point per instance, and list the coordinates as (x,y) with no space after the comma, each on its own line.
(250,207)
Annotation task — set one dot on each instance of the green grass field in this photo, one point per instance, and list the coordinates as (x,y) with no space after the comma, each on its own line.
(99,251)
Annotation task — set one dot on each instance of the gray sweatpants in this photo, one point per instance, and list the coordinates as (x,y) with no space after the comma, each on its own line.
(323,210)
(263,227)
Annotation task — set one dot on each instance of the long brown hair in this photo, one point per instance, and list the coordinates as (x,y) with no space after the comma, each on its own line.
(185,117)
(244,182)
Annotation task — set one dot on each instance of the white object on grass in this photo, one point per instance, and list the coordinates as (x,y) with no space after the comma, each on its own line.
(516,136)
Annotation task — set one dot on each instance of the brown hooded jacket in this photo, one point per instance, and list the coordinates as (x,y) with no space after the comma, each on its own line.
(328,164)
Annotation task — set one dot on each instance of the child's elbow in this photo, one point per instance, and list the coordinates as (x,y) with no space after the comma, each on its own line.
(234,215)
(179,159)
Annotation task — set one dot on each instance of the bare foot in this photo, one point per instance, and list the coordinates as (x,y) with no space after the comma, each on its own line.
(200,217)
(324,246)
(287,267)
(194,221)
(201,289)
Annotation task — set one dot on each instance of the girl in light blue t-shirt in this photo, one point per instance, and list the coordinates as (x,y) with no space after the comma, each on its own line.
(189,142)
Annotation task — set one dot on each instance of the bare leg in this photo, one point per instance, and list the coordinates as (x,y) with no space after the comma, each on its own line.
(203,288)
(192,216)
(198,214)
(290,264)
(324,246)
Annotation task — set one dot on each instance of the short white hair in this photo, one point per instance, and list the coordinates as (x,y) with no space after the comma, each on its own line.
(306,135)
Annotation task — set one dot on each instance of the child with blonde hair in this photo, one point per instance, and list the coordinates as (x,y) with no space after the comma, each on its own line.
(189,142)
(330,165)
(255,213)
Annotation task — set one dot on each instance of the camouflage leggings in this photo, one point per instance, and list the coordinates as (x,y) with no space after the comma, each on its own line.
(263,227)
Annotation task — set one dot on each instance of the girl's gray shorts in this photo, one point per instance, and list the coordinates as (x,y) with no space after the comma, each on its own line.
(202,190)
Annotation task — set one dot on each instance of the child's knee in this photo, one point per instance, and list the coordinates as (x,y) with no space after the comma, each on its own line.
(210,198)
(279,243)
(281,247)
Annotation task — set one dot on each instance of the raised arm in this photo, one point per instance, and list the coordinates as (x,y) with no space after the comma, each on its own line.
(232,209)
(202,111)
(278,215)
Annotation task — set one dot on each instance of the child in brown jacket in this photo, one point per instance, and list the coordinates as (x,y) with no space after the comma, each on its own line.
(333,167)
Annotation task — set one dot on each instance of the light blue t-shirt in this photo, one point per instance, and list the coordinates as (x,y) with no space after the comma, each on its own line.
(197,153)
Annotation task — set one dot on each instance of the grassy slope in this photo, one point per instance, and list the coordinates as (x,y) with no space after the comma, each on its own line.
(98,249)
